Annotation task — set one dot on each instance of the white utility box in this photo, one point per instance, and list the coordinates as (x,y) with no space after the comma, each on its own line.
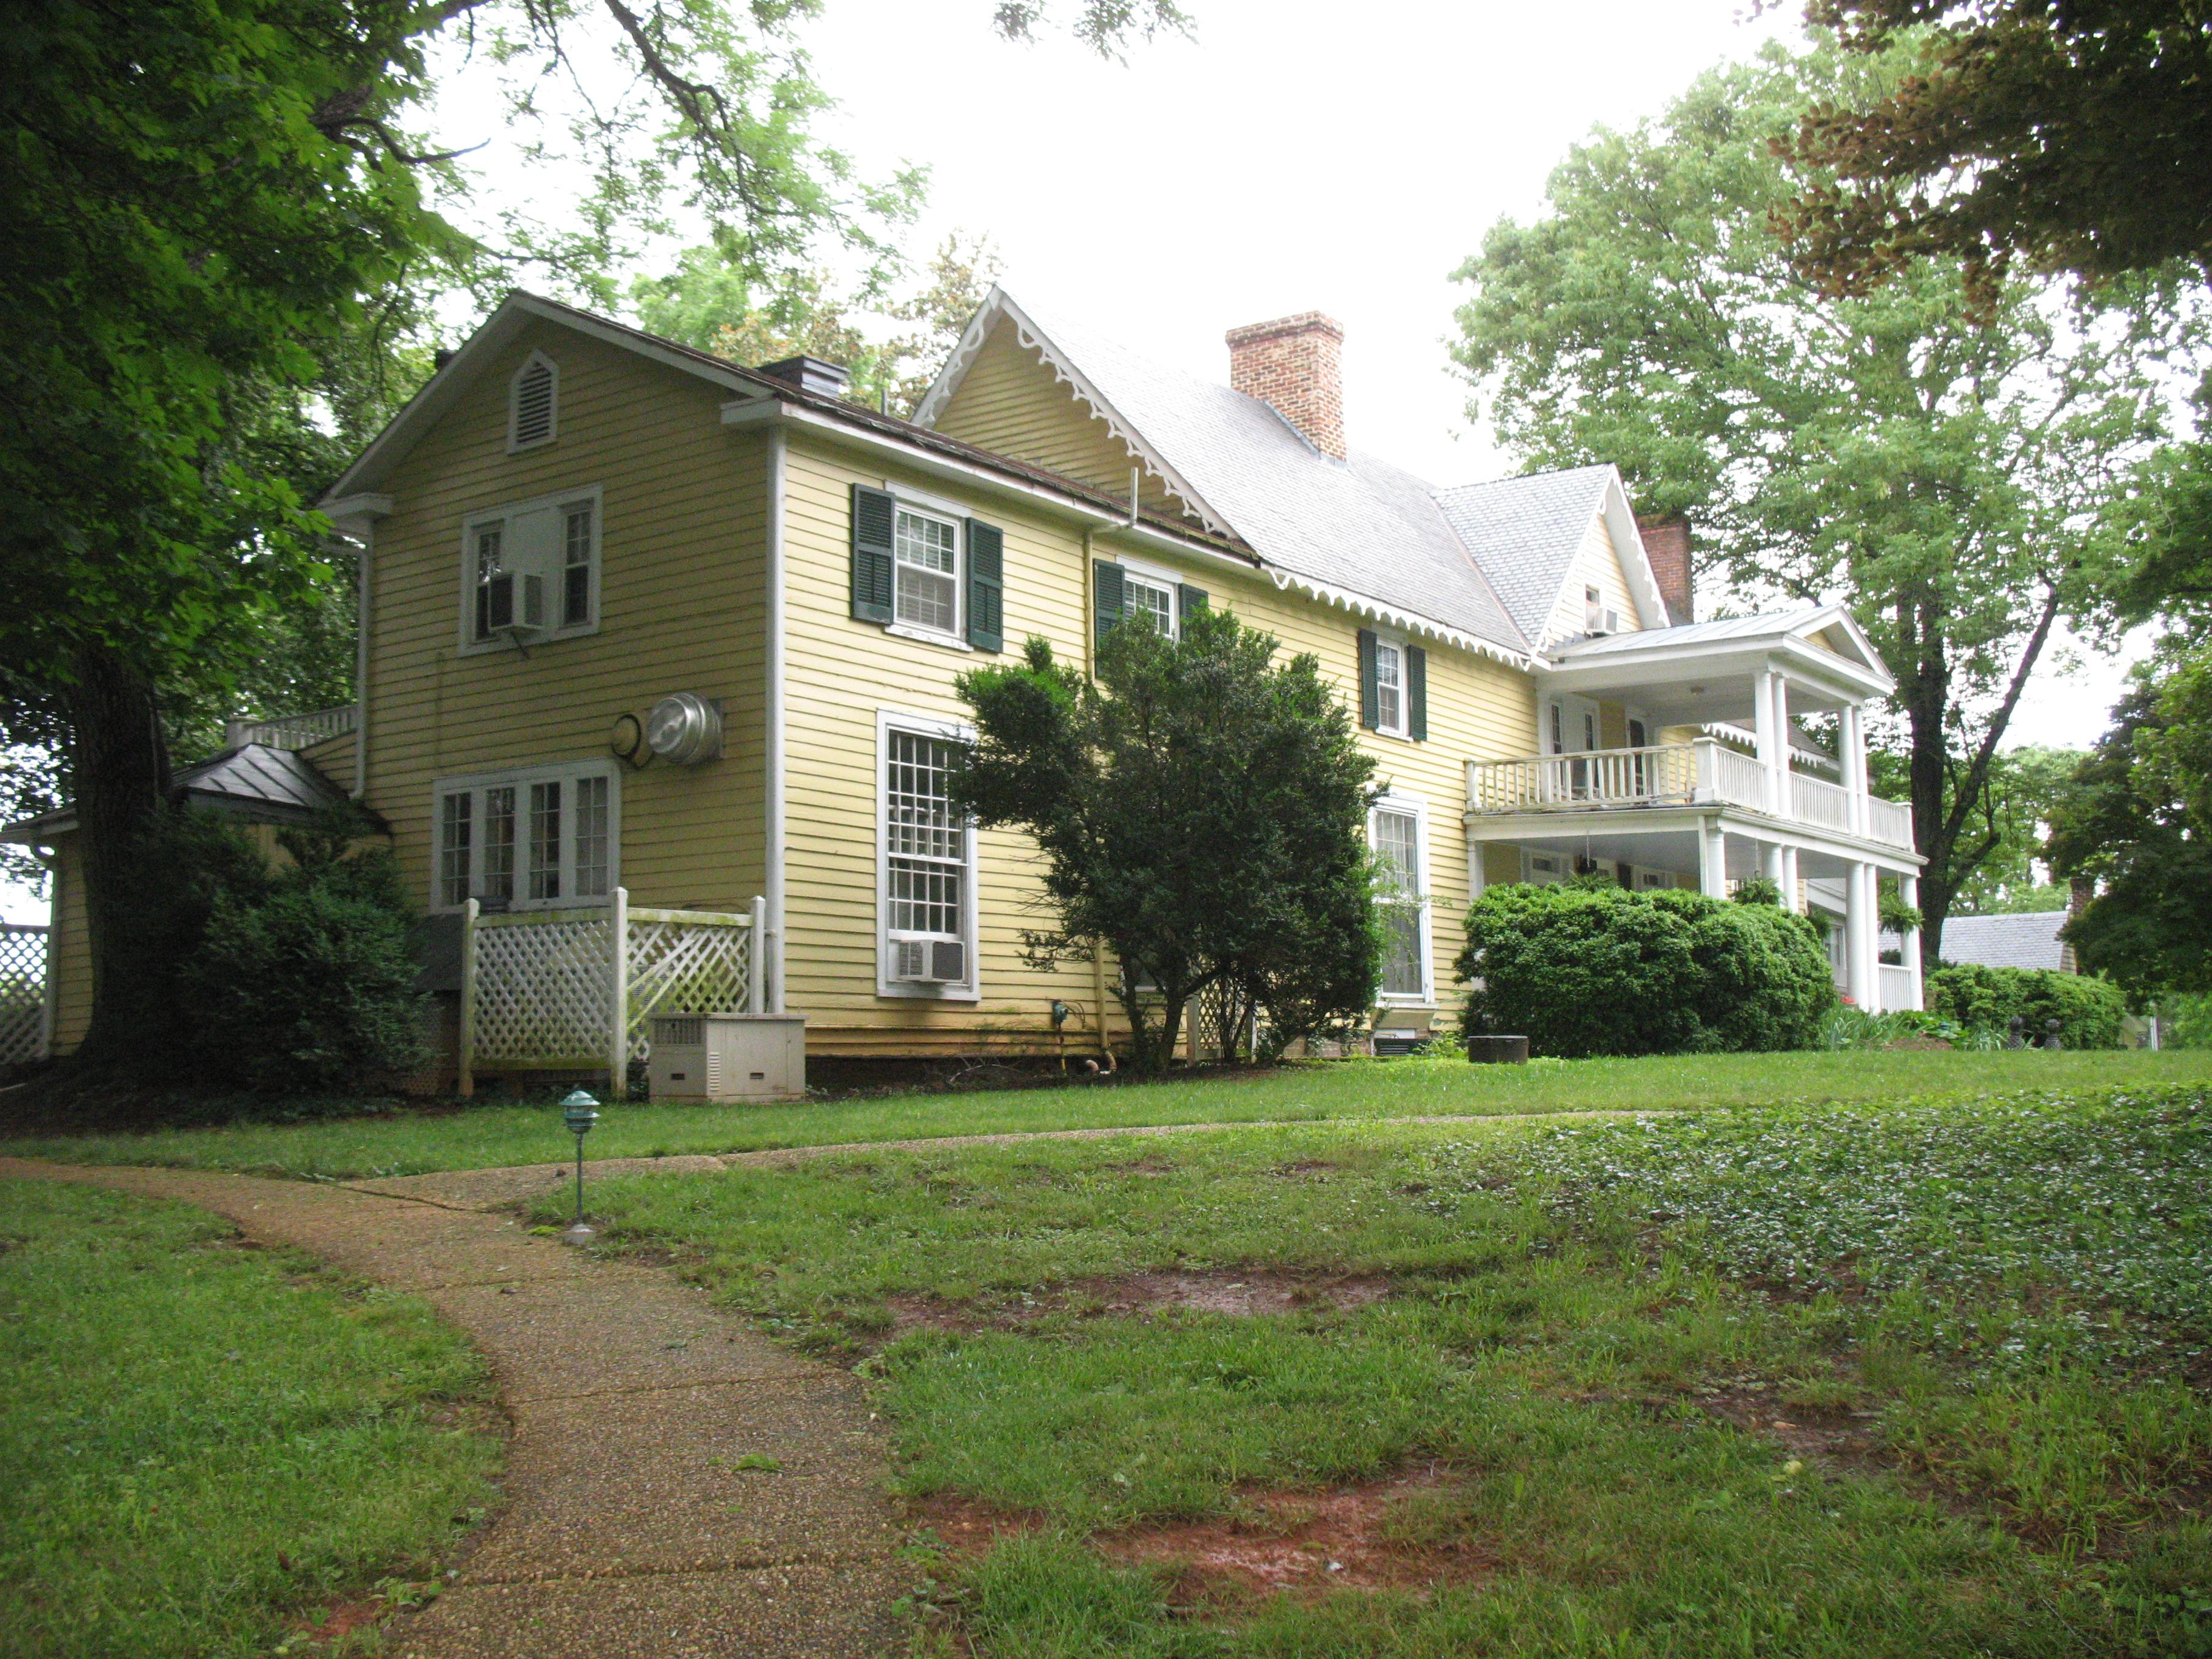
(703,1057)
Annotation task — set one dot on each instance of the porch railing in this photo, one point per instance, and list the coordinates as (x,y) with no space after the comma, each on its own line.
(575,989)
(291,731)
(1700,773)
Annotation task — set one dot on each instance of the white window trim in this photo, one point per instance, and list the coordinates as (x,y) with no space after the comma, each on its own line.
(908,501)
(513,387)
(1157,576)
(889,721)
(1404,727)
(591,494)
(520,778)
(1417,808)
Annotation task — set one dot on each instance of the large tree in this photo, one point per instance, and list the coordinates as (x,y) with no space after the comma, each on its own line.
(1200,810)
(1951,473)
(2058,135)
(203,198)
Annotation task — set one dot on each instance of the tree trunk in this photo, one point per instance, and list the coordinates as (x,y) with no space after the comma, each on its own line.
(119,767)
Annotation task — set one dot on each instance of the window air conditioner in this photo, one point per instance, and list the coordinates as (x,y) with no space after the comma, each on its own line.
(929,960)
(1599,621)
(514,603)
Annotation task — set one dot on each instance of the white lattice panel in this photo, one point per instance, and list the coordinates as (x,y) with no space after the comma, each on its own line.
(685,967)
(22,991)
(542,989)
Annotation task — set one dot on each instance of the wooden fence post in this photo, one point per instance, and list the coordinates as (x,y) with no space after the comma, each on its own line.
(619,1000)
(465,1047)
(756,989)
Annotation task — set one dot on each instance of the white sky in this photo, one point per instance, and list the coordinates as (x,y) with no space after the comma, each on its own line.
(1294,155)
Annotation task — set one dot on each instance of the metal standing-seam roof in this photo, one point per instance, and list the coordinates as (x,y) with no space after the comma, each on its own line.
(2026,939)
(254,780)
(1360,526)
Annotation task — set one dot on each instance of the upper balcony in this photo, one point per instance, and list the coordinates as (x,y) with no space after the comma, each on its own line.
(1705,772)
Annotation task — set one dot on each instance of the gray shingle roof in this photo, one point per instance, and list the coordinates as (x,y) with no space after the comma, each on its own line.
(1526,533)
(2029,939)
(1362,524)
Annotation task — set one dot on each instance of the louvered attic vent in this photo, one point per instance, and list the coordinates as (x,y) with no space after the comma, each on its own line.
(529,420)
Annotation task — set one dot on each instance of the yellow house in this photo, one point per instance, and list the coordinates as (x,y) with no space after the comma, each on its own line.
(640,625)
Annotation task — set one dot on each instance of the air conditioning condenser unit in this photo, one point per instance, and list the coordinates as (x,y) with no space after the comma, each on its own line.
(698,1058)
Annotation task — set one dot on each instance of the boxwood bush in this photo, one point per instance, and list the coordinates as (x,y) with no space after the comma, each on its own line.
(1590,968)
(2087,1010)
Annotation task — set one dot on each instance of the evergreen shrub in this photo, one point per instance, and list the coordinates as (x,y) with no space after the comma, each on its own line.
(1589,969)
(2088,1010)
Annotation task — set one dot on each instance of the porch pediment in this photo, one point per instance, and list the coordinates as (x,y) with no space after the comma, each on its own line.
(1706,673)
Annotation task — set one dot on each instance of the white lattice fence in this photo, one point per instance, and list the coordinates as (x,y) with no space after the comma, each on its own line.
(22,993)
(540,988)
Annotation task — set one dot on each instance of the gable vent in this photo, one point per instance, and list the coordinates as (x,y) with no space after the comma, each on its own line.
(530,419)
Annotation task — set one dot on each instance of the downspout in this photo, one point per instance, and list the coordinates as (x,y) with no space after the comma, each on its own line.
(367,543)
(773,843)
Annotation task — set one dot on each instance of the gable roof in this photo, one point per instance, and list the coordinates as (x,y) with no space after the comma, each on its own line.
(1485,564)
(2027,939)
(1827,632)
(254,780)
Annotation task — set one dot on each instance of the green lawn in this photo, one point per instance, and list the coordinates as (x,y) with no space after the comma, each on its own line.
(204,1447)
(1909,1378)
(492,1135)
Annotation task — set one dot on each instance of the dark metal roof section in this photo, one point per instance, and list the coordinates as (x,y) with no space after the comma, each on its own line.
(253,782)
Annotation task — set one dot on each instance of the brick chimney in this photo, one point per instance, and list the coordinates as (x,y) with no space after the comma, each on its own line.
(1293,364)
(1666,543)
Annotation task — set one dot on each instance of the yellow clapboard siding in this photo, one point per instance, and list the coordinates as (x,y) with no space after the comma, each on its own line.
(1596,565)
(69,947)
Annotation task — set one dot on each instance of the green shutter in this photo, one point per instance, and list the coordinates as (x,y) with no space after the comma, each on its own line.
(1416,693)
(875,515)
(986,586)
(1109,599)
(1189,601)
(1369,702)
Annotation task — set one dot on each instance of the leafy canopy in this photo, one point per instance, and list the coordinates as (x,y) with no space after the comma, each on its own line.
(1200,812)
(1956,476)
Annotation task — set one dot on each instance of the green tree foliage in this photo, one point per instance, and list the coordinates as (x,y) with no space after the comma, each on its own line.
(1586,967)
(2088,1010)
(709,303)
(1953,474)
(2137,821)
(2061,135)
(1200,812)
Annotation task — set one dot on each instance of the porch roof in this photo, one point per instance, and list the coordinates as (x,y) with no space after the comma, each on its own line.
(254,781)
(1704,673)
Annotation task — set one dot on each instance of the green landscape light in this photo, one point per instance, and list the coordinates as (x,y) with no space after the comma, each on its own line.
(580,1112)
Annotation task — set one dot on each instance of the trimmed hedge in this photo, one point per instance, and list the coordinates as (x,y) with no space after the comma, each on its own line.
(1591,970)
(2087,1010)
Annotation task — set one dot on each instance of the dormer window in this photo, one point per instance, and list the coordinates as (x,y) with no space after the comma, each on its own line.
(534,404)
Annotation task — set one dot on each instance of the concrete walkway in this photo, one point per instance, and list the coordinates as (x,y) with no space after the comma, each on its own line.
(626,1533)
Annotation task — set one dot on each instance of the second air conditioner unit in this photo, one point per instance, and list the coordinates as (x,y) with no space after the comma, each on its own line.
(929,960)
(514,603)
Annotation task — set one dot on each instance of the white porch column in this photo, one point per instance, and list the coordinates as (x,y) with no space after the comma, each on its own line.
(1762,720)
(1784,807)
(1791,901)
(1770,866)
(1908,889)
(1712,860)
(1855,766)
(1859,946)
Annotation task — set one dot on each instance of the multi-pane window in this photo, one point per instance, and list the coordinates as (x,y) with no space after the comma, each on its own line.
(534,565)
(925,839)
(1142,596)
(927,562)
(1389,688)
(543,836)
(1395,836)
(576,568)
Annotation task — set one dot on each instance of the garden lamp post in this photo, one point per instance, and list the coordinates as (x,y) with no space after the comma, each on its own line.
(580,1111)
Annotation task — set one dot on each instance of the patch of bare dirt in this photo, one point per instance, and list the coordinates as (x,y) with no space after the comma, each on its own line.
(1918,1044)
(1830,1439)
(346,1617)
(1237,1294)
(1304,1166)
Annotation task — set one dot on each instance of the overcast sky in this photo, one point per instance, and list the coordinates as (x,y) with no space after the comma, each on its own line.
(1342,157)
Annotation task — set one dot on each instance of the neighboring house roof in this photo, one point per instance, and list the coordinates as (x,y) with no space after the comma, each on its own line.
(254,780)
(2026,939)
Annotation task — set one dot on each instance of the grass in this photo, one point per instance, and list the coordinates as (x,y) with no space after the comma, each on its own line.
(491,1135)
(203,1446)
(1911,1379)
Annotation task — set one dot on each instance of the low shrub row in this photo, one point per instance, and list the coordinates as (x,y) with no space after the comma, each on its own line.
(2088,1010)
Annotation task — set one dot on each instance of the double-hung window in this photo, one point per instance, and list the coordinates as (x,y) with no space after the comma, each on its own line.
(530,839)
(1145,595)
(1390,688)
(1396,835)
(927,573)
(928,874)
(530,570)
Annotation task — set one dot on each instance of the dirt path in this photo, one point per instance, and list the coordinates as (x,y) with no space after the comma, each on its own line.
(504,1188)
(626,1532)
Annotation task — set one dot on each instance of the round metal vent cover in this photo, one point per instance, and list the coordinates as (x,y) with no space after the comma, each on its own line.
(684,729)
